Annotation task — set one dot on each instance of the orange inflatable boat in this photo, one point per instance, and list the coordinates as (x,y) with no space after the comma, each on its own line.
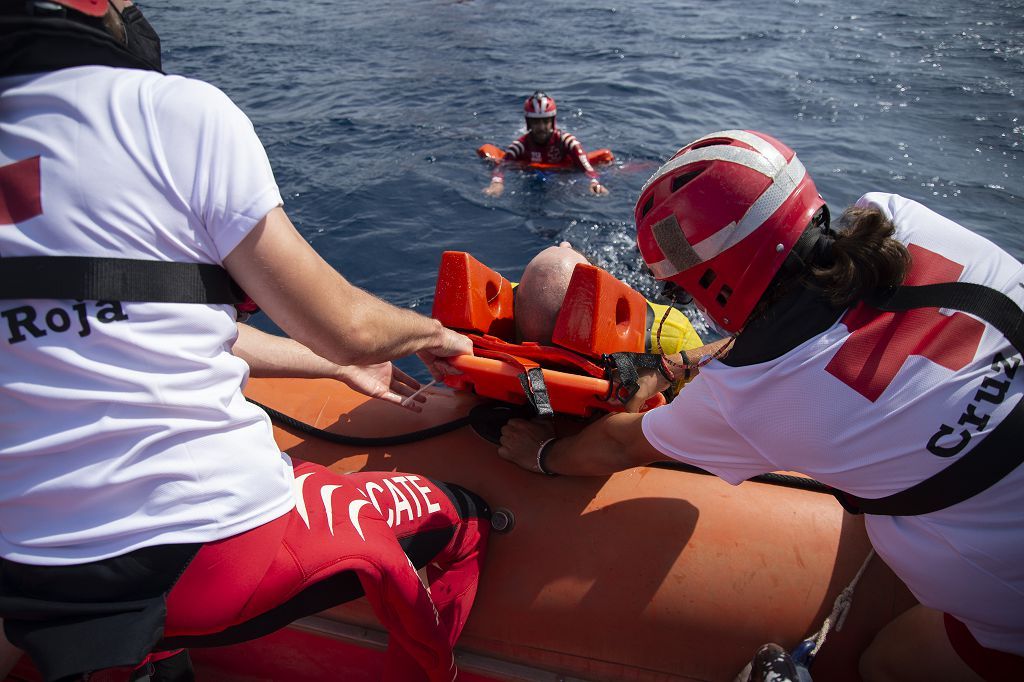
(654,574)
(598,157)
(651,574)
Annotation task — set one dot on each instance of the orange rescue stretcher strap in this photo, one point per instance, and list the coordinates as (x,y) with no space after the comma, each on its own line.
(565,393)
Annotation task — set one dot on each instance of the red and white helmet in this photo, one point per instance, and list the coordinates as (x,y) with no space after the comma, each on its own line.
(720,217)
(539,105)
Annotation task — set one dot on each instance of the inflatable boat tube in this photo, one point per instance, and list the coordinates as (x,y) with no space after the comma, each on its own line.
(649,575)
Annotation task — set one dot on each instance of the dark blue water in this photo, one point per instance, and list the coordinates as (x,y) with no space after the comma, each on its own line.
(371,112)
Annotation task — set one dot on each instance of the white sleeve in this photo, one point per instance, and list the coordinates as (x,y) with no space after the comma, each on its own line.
(215,161)
(693,429)
(886,203)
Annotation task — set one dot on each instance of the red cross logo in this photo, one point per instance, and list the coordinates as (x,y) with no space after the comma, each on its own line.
(880,342)
(19,191)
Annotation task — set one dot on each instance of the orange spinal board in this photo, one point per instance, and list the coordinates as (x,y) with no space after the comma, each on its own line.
(469,296)
(600,314)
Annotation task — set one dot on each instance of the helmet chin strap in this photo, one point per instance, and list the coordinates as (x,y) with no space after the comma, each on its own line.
(813,248)
(672,294)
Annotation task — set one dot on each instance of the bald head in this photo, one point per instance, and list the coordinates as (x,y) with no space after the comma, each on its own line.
(541,290)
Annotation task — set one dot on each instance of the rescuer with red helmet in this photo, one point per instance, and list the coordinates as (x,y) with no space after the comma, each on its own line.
(879,356)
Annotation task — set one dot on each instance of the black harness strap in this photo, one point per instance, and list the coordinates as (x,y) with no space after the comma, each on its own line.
(116,279)
(628,366)
(1000,452)
(536,389)
(993,306)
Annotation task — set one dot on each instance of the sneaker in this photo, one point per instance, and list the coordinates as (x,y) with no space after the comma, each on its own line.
(772,663)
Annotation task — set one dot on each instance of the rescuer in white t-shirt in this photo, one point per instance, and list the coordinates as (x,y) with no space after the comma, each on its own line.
(812,378)
(123,429)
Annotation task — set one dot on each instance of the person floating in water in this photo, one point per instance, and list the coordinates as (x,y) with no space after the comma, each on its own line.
(543,143)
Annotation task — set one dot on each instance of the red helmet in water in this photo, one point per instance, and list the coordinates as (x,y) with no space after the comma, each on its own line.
(539,105)
(95,8)
(720,217)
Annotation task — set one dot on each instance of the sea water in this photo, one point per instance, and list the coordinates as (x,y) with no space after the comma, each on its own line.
(371,112)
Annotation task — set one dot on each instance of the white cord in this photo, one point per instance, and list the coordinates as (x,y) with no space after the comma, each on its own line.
(840,609)
(420,390)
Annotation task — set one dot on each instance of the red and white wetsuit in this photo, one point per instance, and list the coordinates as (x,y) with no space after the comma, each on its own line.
(348,534)
(562,149)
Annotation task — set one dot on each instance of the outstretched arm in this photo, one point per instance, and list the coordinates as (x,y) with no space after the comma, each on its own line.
(612,443)
(323,311)
(513,153)
(575,149)
(276,356)
(497,185)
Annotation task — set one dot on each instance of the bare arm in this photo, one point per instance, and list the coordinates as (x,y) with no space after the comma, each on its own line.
(512,154)
(497,185)
(575,149)
(612,443)
(276,356)
(321,310)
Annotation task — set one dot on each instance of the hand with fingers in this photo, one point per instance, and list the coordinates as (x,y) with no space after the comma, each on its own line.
(451,344)
(526,443)
(385,382)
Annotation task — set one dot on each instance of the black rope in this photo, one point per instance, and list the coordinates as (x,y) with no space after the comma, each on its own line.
(477,418)
(784,480)
(399,439)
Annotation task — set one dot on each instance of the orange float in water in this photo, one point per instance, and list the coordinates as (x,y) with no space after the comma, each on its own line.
(598,157)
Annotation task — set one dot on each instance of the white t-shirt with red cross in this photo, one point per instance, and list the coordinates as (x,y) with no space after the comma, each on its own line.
(123,425)
(878,403)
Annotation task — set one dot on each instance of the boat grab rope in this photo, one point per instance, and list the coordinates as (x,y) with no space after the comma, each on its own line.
(803,655)
(478,418)
(784,480)
(376,441)
(808,649)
